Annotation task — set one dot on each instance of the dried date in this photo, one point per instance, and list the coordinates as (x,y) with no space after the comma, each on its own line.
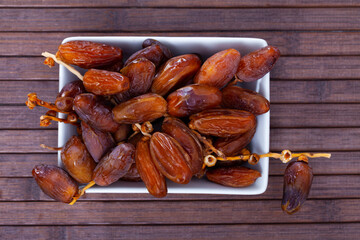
(235,176)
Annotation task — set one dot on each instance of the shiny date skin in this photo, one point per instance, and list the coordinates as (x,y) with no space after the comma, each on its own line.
(244,99)
(256,64)
(86,54)
(152,53)
(147,107)
(55,182)
(154,180)
(222,122)
(175,73)
(114,165)
(65,98)
(77,160)
(141,73)
(102,82)
(193,99)
(235,176)
(219,69)
(97,142)
(148,42)
(187,139)
(94,112)
(170,158)
(298,178)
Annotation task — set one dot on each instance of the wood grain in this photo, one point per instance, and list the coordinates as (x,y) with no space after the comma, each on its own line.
(182,19)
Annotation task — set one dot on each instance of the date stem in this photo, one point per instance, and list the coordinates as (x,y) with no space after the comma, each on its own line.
(209,145)
(51,148)
(34,101)
(82,192)
(45,120)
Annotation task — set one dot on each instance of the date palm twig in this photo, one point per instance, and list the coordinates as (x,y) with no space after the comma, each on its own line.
(34,101)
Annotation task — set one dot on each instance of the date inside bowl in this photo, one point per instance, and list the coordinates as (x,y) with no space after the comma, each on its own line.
(205,47)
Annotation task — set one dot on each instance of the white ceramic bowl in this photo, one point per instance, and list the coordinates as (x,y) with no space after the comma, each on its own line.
(205,46)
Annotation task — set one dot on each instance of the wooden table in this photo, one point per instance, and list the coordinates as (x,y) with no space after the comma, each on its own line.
(315,104)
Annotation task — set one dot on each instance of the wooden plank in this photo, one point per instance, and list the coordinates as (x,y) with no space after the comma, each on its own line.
(323,187)
(156,19)
(330,231)
(284,91)
(176,212)
(289,43)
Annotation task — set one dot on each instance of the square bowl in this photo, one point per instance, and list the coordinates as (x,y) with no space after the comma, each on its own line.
(205,46)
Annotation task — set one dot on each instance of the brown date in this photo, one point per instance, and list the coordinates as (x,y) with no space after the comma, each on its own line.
(122,133)
(244,99)
(101,82)
(55,182)
(132,175)
(97,142)
(193,99)
(147,107)
(116,67)
(141,73)
(152,53)
(77,160)
(232,146)
(235,176)
(170,158)
(88,55)
(114,164)
(219,69)
(154,180)
(187,139)
(223,122)
(65,98)
(255,65)
(176,72)
(298,178)
(148,42)
(94,112)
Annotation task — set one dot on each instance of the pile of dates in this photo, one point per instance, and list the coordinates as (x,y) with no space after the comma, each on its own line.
(154,117)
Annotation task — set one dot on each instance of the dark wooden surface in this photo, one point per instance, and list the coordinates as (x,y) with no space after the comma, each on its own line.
(315,104)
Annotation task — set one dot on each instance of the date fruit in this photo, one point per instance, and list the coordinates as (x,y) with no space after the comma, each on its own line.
(235,176)
(187,139)
(176,72)
(193,99)
(88,55)
(154,180)
(101,82)
(97,142)
(170,158)
(152,53)
(132,175)
(65,98)
(94,112)
(223,122)
(122,133)
(298,178)
(114,164)
(256,64)
(244,99)
(147,107)
(55,182)
(219,69)
(148,42)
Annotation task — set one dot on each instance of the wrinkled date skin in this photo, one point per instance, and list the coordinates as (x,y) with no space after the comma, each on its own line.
(233,176)
(55,182)
(88,55)
(193,99)
(122,133)
(97,142)
(65,98)
(154,180)
(152,53)
(176,72)
(232,146)
(141,73)
(187,139)
(148,42)
(219,69)
(77,160)
(298,178)
(114,165)
(256,64)
(147,107)
(132,175)
(91,110)
(244,99)
(101,82)
(170,158)
(222,122)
